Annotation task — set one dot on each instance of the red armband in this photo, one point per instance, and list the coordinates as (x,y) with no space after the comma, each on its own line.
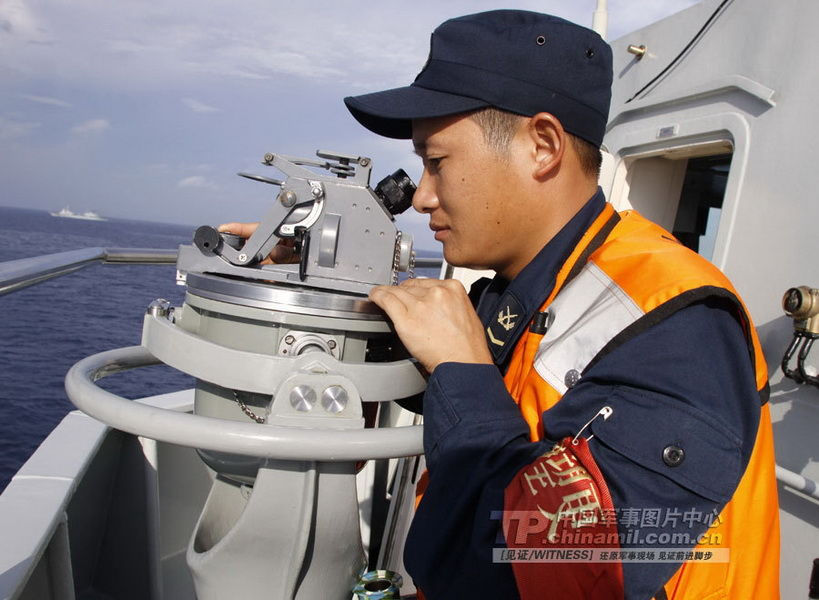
(560,528)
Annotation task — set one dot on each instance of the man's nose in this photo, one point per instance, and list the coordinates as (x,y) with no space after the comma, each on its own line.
(425,199)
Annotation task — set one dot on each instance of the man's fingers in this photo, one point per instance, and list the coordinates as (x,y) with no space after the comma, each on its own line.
(435,321)
(416,282)
(284,253)
(452,284)
(391,300)
(244,230)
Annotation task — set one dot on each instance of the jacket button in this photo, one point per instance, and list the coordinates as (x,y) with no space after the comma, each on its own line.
(673,456)
(571,378)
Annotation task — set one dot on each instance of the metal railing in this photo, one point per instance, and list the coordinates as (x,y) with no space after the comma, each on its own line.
(17,274)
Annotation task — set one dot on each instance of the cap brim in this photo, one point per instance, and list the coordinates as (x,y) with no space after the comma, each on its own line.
(390,113)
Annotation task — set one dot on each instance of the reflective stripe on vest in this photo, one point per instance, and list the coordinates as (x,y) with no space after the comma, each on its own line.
(588,313)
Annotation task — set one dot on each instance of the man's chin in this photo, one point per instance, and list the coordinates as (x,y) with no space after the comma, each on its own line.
(454,260)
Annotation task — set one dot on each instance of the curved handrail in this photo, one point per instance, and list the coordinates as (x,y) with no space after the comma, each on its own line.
(197,431)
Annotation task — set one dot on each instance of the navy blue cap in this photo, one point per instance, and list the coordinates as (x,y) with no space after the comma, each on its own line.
(519,61)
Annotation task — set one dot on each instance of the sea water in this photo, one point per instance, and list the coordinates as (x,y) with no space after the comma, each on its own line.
(46,328)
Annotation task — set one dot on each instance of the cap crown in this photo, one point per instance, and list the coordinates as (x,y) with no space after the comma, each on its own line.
(519,61)
(524,62)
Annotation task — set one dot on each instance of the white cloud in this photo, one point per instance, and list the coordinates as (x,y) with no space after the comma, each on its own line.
(17,20)
(199,107)
(48,100)
(196,181)
(91,126)
(134,46)
(12,128)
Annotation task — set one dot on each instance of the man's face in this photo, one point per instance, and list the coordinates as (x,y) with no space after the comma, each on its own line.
(469,192)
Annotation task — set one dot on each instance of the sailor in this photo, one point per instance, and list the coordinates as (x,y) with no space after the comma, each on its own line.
(596,425)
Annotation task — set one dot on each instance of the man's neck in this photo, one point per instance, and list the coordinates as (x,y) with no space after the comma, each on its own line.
(548,217)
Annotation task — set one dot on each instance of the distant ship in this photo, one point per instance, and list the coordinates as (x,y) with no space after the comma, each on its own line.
(69,214)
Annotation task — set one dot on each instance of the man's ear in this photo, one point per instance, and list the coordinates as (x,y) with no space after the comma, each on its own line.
(549,143)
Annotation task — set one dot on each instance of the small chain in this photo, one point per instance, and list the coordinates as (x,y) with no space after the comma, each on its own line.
(396,258)
(246,410)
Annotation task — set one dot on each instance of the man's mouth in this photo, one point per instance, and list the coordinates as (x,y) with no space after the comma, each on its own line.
(440,231)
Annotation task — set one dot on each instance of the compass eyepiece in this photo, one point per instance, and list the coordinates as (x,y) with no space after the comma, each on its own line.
(396,192)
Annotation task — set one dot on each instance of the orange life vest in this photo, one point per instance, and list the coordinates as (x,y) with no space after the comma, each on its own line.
(643,275)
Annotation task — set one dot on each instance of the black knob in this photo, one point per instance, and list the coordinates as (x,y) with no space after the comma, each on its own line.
(396,192)
(207,239)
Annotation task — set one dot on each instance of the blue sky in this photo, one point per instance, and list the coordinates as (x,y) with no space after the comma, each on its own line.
(146,110)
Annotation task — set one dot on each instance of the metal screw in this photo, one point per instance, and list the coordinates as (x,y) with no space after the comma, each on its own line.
(316,191)
(638,51)
(268,158)
(289,339)
(159,308)
(334,399)
(364,161)
(243,257)
(287,198)
(331,344)
(302,398)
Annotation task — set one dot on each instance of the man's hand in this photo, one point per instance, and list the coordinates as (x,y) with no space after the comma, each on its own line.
(284,252)
(435,321)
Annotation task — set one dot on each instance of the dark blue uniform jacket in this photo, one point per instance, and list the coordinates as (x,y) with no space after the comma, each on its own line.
(687,376)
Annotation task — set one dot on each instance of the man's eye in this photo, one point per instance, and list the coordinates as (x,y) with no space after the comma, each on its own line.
(433,163)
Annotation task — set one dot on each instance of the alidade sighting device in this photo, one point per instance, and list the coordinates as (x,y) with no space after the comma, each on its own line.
(286,358)
(344,232)
(331,349)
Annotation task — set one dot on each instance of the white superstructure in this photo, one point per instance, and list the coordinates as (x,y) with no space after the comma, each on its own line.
(69,214)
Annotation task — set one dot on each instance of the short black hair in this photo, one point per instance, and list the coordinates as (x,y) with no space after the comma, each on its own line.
(499,128)
(589,156)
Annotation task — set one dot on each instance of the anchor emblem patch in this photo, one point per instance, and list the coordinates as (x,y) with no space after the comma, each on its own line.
(502,323)
(507,320)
